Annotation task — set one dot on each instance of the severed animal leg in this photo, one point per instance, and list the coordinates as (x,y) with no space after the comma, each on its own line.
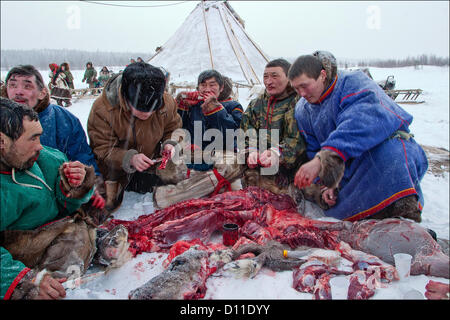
(270,255)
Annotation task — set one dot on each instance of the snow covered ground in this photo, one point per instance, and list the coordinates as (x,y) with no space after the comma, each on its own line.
(430,127)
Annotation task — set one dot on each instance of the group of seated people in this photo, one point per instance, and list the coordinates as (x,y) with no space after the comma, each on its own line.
(333,137)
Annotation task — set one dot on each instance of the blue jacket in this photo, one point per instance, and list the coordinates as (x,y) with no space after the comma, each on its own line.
(357,120)
(63,131)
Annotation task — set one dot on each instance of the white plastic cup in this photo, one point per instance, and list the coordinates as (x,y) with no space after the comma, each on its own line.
(147,207)
(403,265)
(339,288)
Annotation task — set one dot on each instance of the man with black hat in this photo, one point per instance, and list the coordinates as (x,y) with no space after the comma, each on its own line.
(129,125)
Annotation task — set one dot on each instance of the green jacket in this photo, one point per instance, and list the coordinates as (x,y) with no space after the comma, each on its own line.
(90,75)
(267,112)
(28,203)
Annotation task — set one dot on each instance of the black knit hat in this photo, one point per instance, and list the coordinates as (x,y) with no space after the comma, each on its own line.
(143,86)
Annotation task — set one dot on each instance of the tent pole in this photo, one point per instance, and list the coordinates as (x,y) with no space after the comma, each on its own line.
(243,53)
(243,30)
(232,46)
(207,36)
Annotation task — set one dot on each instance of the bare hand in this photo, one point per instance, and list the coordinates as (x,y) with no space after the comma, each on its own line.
(307,173)
(437,290)
(75,172)
(252,160)
(210,102)
(98,201)
(141,162)
(329,197)
(267,158)
(51,288)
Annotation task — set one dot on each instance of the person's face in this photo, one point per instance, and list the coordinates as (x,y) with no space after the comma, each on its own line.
(140,114)
(22,153)
(309,88)
(275,80)
(24,90)
(210,87)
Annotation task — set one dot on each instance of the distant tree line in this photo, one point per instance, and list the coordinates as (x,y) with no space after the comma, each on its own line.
(77,59)
(421,60)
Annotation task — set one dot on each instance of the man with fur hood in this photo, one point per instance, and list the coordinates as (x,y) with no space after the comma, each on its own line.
(363,160)
(41,236)
(273,111)
(129,126)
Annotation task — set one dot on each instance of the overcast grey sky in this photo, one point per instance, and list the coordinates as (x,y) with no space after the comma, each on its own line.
(349,29)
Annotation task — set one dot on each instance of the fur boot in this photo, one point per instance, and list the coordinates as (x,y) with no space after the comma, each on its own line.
(199,184)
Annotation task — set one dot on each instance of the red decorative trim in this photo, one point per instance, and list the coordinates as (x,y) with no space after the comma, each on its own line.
(238,109)
(213,111)
(183,108)
(353,94)
(329,90)
(337,151)
(392,111)
(6,172)
(62,189)
(229,99)
(270,106)
(49,223)
(15,283)
(65,194)
(382,204)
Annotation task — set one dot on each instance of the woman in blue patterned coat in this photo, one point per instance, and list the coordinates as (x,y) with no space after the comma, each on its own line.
(362,155)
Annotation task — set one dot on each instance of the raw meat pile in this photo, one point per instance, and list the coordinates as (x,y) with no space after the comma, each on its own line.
(362,249)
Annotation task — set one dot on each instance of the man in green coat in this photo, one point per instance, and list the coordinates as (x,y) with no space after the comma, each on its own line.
(39,189)
(276,142)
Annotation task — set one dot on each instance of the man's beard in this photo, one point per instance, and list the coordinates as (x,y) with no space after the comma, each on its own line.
(10,160)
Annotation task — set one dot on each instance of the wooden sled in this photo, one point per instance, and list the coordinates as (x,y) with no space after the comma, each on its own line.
(86,93)
(409,95)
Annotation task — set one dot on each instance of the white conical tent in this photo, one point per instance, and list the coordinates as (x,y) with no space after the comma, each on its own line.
(211,37)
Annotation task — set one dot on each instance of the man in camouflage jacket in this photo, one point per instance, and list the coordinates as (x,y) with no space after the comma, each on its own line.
(274,109)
